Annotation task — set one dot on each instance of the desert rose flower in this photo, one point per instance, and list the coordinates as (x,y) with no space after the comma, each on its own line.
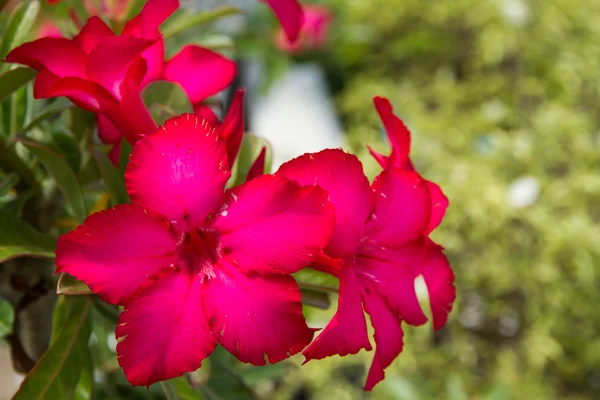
(195,265)
(379,247)
(290,16)
(313,34)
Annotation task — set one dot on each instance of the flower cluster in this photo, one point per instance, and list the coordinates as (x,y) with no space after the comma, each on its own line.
(195,265)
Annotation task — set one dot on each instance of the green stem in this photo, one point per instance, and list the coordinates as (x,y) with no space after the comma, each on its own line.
(169,389)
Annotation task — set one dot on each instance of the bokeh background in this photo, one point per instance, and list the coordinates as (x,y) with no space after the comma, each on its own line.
(502,97)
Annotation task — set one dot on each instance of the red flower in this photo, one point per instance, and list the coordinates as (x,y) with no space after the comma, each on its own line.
(378,248)
(290,15)
(195,266)
(313,33)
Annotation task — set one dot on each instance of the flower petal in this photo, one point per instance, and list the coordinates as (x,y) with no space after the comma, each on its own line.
(107,131)
(180,171)
(392,273)
(398,133)
(402,208)
(92,34)
(290,16)
(388,336)
(85,94)
(273,225)
(258,166)
(439,204)
(163,332)
(440,286)
(62,57)
(204,111)
(109,61)
(342,175)
(200,72)
(254,317)
(232,128)
(346,333)
(115,251)
(147,22)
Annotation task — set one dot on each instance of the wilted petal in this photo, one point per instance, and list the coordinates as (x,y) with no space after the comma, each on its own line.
(290,15)
(342,176)
(255,317)
(346,333)
(388,336)
(109,61)
(232,128)
(115,251)
(200,72)
(62,57)
(163,332)
(93,33)
(273,225)
(439,204)
(180,171)
(402,208)
(439,280)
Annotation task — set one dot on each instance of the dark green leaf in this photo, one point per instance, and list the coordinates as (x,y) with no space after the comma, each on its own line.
(7,183)
(13,80)
(67,146)
(51,111)
(225,382)
(58,372)
(7,317)
(17,239)
(186,20)
(85,386)
(112,176)
(81,122)
(315,298)
(70,286)
(62,173)
(19,25)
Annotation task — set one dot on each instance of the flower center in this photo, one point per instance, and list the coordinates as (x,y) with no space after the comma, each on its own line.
(199,251)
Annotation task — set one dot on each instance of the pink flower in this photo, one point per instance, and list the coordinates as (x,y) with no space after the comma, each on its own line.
(313,34)
(290,15)
(378,248)
(195,266)
(104,73)
(96,70)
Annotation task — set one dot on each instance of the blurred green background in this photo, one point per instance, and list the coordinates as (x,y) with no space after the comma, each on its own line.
(502,97)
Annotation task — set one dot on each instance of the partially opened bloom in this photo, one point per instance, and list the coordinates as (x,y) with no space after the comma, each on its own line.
(195,265)
(290,16)
(378,248)
(313,34)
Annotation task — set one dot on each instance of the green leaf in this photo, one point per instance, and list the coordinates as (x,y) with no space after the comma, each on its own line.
(62,173)
(250,149)
(310,279)
(18,239)
(7,183)
(52,110)
(7,318)
(13,80)
(68,147)
(19,25)
(57,373)
(85,386)
(186,20)
(315,298)
(69,285)
(113,178)
(166,100)
(184,390)
(225,382)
